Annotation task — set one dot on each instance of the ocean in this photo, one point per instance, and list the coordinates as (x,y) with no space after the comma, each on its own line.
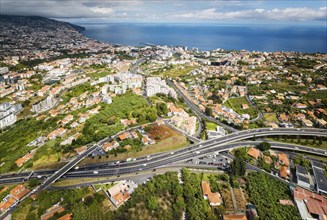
(268,38)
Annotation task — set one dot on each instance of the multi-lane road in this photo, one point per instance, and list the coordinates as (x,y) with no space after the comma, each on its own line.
(145,163)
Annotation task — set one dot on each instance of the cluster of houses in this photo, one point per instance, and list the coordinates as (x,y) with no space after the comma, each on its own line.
(218,109)
(303,177)
(138,133)
(13,197)
(282,163)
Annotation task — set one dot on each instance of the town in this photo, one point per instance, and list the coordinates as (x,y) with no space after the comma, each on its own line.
(161,132)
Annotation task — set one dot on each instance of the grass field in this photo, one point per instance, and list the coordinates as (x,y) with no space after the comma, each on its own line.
(210,125)
(176,71)
(286,87)
(169,140)
(270,117)
(240,199)
(104,186)
(236,105)
(303,142)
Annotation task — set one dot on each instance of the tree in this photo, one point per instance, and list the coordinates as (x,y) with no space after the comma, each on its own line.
(208,111)
(162,108)
(238,167)
(152,203)
(263,146)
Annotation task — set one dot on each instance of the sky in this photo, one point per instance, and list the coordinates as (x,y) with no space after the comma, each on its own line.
(178,11)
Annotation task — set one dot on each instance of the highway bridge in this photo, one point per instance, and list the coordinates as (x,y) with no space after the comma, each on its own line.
(219,144)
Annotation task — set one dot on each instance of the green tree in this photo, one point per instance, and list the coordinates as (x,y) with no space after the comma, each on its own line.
(238,167)
(208,111)
(162,108)
(152,203)
(263,146)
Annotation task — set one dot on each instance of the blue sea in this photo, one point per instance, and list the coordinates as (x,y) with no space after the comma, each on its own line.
(208,37)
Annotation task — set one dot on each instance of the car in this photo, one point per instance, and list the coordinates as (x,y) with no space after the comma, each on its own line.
(76,168)
(95,172)
(172,152)
(145,164)
(296,148)
(197,152)
(270,129)
(326,152)
(117,162)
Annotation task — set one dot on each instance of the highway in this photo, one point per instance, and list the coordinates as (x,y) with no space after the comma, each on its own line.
(144,163)
(219,144)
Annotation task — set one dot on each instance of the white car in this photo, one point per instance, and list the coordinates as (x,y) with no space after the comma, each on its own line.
(95,172)
(145,164)
(172,152)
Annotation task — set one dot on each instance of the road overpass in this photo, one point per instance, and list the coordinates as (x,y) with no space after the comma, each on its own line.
(220,144)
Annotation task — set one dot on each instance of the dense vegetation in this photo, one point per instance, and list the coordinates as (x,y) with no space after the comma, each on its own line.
(14,140)
(106,122)
(265,192)
(83,203)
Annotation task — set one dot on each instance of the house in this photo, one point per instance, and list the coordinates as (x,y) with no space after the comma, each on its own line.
(80,150)
(300,106)
(6,203)
(302,177)
(284,172)
(57,133)
(119,193)
(124,136)
(107,147)
(245,106)
(283,118)
(68,216)
(307,122)
(320,177)
(145,140)
(67,119)
(254,153)
(23,159)
(214,198)
(234,217)
(310,205)
(283,159)
(50,212)
(19,192)
(267,160)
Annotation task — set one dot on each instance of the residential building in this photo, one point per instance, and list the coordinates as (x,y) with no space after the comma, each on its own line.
(214,198)
(309,204)
(120,192)
(44,105)
(254,153)
(302,177)
(8,114)
(320,177)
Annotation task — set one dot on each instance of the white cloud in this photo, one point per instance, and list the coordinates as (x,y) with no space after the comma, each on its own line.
(102,10)
(287,14)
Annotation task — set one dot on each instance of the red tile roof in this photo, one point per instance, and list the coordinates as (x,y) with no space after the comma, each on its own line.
(316,204)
